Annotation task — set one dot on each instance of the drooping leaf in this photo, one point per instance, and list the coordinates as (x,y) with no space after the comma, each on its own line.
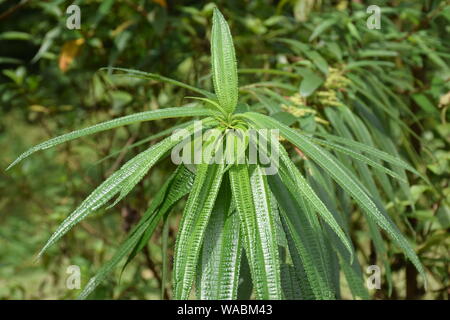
(133,118)
(218,273)
(346,181)
(193,225)
(181,185)
(175,187)
(121,181)
(371,151)
(304,249)
(315,201)
(259,252)
(310,82)
(303,188)
(267,233)
(153,76)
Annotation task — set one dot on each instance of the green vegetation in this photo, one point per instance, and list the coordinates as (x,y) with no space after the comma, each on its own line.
(363,150)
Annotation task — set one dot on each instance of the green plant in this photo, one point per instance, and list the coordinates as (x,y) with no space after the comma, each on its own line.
(294,240)
(381,88)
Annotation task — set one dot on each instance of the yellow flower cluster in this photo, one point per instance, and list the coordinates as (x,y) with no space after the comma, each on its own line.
(335,81)
(298,108)
(328,98)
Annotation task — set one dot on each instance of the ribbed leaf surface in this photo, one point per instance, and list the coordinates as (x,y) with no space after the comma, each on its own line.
(308,259)
(181,185)
(305,189)
(342,177)
(122,180)
(157,77)
(174,189)
(132,118)
(267,232)
(258,242)
(371,151)
(223,59)
(193,225)
(218,274)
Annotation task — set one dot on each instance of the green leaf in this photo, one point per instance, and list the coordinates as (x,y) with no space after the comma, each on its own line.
(153,76)
(352,272)
(308,259)
(178,184)
(251,197)
(311,81)
(319,61)
(267,233)
(271,106)
(133,118)
(181,177)
(359,157)
(316,243)
(47,43)
(155,136)
(223,60)
(354,278)
(371,151)
(360,131)
(325,25)
(304,189)
(425,103)
(164,256)
(290,282)
(218,275)
(314,56)
(364,53)
(163,202)
(121,181)
(285,117)
(268,71)
(15,35)
(193,225)
(346,181)
(368,63)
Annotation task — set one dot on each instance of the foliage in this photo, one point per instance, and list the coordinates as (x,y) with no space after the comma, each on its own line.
(352,101)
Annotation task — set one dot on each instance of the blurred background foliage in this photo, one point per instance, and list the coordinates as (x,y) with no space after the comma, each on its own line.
(315,59)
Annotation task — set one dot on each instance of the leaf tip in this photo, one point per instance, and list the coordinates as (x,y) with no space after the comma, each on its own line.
(12,164)
(38,256)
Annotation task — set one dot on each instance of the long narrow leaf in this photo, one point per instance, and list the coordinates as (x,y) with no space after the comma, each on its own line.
(304,249)
(267,232)
(334,169)
(118,182)
(157,77)
(245,204)
(224,70)
(221,252)
(178,184)
(133,118)
(193,225)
